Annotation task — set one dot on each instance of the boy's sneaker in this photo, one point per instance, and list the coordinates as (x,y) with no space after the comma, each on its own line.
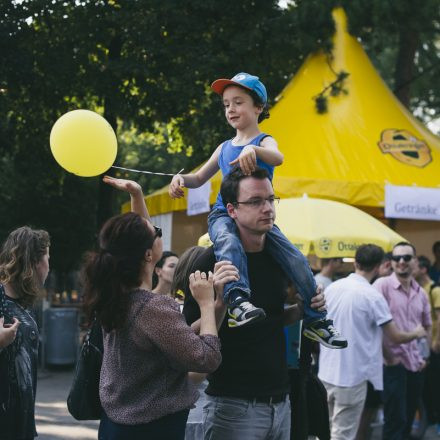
(324,332)
(244,313)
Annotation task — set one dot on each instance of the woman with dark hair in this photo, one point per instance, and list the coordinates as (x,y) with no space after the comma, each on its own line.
(148,347)
(164,272)
(24,265)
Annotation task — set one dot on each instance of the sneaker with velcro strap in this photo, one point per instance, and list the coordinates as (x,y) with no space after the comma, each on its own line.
(325,333)
(244,313)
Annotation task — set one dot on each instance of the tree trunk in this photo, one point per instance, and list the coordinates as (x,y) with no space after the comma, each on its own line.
(408,43)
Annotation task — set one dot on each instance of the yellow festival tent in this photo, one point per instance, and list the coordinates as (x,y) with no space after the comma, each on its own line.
(366,139)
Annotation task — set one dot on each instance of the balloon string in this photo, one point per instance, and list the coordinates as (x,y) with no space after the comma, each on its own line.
(146,172)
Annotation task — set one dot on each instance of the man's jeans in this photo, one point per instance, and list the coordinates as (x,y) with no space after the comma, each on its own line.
(227,246)
(238,419)
(431,388)
(401,394)
(345,405)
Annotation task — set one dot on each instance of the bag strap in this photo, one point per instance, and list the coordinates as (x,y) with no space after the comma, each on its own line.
(94,335)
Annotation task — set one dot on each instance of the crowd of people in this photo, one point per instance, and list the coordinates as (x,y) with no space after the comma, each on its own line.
(220,313)
(389,300)
(387,323)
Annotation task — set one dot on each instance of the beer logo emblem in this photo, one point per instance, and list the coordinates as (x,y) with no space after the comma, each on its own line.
(325,244)
(405,147)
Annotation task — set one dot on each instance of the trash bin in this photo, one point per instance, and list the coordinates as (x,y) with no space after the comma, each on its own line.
(60,335)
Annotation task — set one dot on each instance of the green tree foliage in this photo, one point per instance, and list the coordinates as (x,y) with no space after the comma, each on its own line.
(403,39)
(146,65)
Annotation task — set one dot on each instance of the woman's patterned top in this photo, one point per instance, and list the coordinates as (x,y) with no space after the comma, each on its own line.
(144,374)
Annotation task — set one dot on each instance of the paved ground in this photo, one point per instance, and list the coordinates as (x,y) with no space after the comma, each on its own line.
(53,420)
(55,423)
(429,435)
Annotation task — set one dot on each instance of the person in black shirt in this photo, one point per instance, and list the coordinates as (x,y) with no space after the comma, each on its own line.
(248,394)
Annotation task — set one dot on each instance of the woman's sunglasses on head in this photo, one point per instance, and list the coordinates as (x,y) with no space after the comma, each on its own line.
(157,231)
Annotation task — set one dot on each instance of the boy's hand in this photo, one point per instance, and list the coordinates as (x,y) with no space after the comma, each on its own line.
(176,187)
(247,159)
(129,186)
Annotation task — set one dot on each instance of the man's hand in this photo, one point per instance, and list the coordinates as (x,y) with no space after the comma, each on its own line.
(247,159)
(296,312)
(176,187)
(130,186)
(318,301)
(8,332)
(224,272)
(420,332)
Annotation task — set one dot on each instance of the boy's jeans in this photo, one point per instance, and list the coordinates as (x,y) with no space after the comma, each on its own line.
(227,246)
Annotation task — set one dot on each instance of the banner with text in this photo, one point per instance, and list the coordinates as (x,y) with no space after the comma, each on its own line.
(412,202)
(198,199)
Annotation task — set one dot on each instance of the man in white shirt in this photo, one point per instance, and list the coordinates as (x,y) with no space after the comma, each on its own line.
(361,313)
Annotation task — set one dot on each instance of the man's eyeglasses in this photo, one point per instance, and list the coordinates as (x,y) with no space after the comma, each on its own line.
(157,232)
(259,202)
(406,258)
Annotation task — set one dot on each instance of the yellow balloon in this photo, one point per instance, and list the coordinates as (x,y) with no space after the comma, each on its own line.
(83,143)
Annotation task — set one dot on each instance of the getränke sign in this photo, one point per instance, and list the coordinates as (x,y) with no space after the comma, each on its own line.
(412,202)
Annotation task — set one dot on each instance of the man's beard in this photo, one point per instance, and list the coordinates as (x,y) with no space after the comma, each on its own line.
(404,274)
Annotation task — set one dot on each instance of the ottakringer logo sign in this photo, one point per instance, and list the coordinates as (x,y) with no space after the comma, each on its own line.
(405,147)
(325,245)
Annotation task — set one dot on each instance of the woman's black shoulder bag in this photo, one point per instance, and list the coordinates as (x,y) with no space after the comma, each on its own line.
(83,401)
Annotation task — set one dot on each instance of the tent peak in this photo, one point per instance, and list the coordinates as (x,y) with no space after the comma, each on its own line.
(340,19)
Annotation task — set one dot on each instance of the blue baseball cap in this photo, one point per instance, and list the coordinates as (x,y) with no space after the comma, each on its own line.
(242,79)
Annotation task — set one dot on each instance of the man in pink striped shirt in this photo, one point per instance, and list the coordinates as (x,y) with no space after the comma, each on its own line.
(403,379)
